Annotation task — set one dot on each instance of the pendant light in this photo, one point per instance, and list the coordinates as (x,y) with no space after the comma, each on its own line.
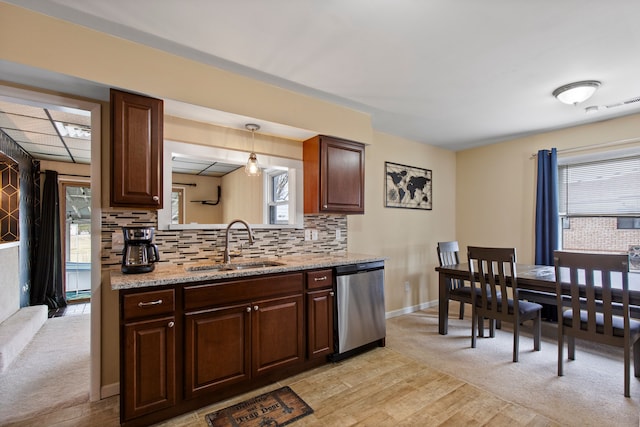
(252,168)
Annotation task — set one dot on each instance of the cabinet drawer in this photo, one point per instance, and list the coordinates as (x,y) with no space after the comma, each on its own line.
(243,290)
(145,304)
(319,279)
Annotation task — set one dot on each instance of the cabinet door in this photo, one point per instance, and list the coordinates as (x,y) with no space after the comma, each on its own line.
(320,323)
(149,366)
(277,334)
(341,176)
(333,176)
(136,147)
(217,344)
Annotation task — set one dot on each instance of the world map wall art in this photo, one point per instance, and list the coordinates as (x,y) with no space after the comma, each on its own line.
(407,187)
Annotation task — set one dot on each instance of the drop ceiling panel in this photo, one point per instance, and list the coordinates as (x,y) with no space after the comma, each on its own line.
(13,121)
(66,117)
(43,149)
(33,138)
(77,143)
(23,110)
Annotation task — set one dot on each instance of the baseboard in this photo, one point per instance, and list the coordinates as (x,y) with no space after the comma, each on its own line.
(109,390)
(411,309)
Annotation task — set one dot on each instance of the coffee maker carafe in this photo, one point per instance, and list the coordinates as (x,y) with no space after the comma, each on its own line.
(139,254)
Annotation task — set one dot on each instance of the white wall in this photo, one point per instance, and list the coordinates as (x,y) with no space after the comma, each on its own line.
(9,280)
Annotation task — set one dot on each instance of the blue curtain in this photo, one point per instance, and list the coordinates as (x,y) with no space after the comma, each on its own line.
(547,217)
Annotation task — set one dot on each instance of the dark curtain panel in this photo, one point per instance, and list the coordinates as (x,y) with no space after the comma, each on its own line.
(547,216)
(47,279)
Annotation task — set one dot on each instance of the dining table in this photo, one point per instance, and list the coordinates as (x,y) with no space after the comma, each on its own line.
(535,283)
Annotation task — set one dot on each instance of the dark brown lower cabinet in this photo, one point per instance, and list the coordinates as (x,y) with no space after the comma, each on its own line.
(320,323)
(149,364)
(277,330)
(189,345)
(217,349)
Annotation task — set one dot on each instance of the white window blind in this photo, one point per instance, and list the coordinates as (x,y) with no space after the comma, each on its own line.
(603,187)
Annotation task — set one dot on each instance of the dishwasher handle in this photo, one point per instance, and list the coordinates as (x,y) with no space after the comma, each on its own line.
(343,270)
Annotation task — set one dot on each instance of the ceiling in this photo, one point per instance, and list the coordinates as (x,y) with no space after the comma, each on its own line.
(48,133)
(453,74)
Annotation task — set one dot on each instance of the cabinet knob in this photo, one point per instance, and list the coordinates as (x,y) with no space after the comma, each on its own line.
(324,206)
(332,293)
(256,308)
(155,198)
(248,309)
(171,324)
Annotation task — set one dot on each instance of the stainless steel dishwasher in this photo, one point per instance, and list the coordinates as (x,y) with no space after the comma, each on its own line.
(360,307)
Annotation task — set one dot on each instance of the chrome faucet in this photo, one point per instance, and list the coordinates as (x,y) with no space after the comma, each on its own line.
(227,256)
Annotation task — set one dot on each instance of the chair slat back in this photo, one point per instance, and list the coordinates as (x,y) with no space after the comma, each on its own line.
(448,253)
(496,270)
(589,279)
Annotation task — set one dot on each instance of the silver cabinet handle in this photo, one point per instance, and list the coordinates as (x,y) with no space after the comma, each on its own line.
(256,308)
(155,198)
(331,293)
(171,324)
(324,206)
(318,279)
(248,309)
(150,303)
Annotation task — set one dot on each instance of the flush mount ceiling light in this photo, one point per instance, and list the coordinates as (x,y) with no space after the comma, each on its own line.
(252,168)
(575,93)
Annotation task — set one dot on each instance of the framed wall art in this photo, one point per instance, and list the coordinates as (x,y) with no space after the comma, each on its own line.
(407,187)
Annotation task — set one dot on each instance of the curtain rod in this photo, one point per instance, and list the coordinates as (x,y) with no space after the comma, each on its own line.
(68,174)
(598,145)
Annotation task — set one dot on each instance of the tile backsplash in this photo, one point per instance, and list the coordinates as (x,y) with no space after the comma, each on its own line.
(181,246)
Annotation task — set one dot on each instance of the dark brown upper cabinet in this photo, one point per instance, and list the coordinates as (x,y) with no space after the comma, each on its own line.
(136,150)
(333,175)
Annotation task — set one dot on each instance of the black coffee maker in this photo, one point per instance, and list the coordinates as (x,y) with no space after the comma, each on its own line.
(139,254)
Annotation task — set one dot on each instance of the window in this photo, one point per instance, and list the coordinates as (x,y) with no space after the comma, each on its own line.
(278,200)
(628,223)
(177,205)
(600,204)
(604,187)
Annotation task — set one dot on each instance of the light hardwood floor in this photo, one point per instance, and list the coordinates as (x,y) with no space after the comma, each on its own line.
(379,388)
(383,387)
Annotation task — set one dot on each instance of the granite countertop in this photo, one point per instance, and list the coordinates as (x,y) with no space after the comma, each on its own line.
(169,274)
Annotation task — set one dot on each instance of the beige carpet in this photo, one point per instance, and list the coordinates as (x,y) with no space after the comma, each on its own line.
(51,373)
(591,393)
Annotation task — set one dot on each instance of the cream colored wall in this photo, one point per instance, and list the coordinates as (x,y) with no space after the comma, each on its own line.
(121,64)
(206,188)
(249,206)
(496,184)
(68,169)
(183,130)
(408,237)
(114,62)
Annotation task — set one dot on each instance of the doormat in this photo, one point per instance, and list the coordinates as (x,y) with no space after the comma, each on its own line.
(275,408)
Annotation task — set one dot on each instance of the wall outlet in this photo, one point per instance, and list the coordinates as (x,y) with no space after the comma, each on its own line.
(314,234)
(407,287)
(307,234)
(338,234)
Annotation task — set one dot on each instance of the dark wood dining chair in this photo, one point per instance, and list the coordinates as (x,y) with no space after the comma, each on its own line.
(585,284)
(448,255)
(496,271)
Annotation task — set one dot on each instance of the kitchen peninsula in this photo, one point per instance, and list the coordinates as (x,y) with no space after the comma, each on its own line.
(197,333)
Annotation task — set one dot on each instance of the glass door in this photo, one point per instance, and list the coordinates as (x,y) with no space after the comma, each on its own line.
(76,205)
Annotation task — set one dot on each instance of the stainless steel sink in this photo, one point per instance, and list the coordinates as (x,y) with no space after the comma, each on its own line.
(233,266)
(257,264)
